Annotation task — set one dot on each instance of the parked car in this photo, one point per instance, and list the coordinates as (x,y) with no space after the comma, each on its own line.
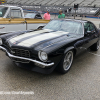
(33,15)
(52,47)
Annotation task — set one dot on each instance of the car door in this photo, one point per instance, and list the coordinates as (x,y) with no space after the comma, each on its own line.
(90,34)
(3,26)
(15,20)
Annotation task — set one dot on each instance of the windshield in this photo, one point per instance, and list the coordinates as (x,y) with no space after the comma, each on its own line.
(3,11)
(66,26)
(30,15)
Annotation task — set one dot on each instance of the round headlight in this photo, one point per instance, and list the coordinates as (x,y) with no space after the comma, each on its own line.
(43,56)
(0,41)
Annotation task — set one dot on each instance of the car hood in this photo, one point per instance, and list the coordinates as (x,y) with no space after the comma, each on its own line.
(39,39)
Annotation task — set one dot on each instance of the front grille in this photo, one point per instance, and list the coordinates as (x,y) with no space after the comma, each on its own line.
(20,53)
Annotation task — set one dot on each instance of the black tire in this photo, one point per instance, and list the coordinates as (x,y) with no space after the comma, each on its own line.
(95,46)
(62,68)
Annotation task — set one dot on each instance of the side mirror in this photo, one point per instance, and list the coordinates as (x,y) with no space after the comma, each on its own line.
(40,27)
(88,33)
(11,18)
(91,32)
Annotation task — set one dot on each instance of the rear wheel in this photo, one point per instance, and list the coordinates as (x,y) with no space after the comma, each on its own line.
(95,46)
(66,62)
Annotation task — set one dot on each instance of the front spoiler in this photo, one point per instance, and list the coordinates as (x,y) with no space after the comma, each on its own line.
(40,64)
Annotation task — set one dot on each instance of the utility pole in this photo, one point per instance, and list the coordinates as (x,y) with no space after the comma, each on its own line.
(75,14)
(75,8)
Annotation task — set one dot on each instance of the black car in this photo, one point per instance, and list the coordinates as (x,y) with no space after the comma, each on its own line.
(52,47)
(33,15)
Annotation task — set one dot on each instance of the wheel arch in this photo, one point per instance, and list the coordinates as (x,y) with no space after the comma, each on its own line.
(70,48)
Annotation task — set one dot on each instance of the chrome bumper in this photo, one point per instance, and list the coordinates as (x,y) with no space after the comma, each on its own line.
(40,64)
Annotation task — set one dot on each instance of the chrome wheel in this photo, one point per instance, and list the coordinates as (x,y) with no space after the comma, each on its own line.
(68,59)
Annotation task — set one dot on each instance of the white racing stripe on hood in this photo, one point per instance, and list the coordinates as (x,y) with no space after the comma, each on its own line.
(28,34)
(34,40)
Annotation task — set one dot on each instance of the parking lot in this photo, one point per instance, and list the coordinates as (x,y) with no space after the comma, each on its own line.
(82,82)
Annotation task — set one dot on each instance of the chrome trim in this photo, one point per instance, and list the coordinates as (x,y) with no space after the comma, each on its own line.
(42,65)
(40,57)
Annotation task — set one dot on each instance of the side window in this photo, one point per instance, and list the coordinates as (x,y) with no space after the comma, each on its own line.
(16,13)
(92,27)
(89,27)
(3,10)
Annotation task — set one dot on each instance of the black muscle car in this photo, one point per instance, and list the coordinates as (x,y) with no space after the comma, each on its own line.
(52,47)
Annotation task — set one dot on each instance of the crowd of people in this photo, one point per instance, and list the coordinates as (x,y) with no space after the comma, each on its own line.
(47,15)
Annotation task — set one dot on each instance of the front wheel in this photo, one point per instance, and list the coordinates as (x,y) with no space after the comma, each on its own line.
(66,62)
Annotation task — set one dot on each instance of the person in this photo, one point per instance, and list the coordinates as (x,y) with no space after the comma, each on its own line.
(61,15)
(47,15)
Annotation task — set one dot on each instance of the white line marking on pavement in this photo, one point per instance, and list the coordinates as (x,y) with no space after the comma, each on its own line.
(94,54)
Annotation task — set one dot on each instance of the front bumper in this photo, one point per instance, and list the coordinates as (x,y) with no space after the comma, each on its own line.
(38,63)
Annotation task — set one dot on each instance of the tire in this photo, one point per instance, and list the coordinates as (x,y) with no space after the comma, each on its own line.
(66,62)
(95,46)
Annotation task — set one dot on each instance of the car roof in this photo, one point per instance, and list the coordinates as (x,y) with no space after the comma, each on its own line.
(9,6)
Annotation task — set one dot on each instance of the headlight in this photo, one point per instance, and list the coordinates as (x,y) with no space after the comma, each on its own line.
(43,56)
(0,41)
